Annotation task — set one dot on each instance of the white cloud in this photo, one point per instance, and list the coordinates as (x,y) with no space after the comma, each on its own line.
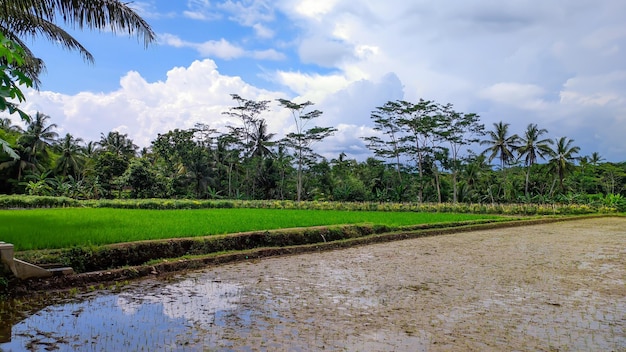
(221,49)
(148,10)
(314,8)
(249,13)
(189,95)
(213,48)
(262,31)
(523,96)
(597,90)
(269,54)
(201,10)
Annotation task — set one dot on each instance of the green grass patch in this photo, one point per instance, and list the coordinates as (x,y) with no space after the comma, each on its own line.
(68,227)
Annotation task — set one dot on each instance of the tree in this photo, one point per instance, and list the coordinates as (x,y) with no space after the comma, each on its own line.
(421,123)
(595,159)
(248,112)
(533,147)
(501,144)
(458,129)
(141,177)
(118,144)
(39,136)
(563,157)
(302,139)
(71,155)
(387,120)
(12,61)
(22,19)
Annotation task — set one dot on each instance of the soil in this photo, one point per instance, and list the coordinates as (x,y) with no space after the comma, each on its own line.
(546,287)
(550,287)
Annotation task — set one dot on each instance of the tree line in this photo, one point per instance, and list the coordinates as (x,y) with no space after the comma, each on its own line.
(421,152)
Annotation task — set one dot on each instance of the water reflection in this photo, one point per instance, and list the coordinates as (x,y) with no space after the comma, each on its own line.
(170,317)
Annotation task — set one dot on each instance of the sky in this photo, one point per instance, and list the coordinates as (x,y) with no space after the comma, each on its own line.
(558,63)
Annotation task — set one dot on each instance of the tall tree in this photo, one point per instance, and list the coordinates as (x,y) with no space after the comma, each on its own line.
(595,159)
(563,157)
(31,19)
(118,144)
(70,160)
(501,144)
(532,147)
(302,139)
(387,121)
(39,136)
(421,123)
(247,131)
(459,130)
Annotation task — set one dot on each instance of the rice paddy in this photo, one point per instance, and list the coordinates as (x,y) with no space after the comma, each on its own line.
(66,227)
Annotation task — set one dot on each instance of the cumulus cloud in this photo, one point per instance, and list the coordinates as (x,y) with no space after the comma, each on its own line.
(189,95)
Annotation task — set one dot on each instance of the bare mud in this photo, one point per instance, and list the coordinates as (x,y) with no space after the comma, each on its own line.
(550,287)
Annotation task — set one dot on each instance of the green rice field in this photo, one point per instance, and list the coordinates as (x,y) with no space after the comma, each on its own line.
(67,227)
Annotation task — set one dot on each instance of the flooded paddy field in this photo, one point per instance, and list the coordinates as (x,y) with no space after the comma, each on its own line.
(550,287)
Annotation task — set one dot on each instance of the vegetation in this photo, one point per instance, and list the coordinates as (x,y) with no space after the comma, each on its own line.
(22,20)
(421,153)
(63,228)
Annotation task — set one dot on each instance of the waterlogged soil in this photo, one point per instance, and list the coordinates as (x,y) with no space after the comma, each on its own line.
(549,287)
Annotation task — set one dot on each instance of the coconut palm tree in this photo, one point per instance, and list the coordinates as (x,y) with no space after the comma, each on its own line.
(118,144)
(533,147)
(595,159)
(501,144)
(31,19)
(71,156)
(38,136)
(563,157)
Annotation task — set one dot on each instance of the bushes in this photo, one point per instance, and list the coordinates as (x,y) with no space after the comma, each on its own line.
(23,201)
(585,205)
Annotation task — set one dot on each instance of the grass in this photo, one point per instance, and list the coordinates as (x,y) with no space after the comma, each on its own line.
(67,227)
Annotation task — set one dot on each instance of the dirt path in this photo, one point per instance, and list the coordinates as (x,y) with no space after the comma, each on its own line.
(548,287)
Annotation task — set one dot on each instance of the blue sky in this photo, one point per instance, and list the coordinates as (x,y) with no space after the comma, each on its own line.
(558,63)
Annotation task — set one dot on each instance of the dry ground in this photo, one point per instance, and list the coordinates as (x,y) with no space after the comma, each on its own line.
(552,287)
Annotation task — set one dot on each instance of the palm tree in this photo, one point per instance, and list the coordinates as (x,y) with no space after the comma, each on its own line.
(7,125)
(532,147)
(22,19)
(71,155)
(39,136)
(261,140)
(501,145)
(563,158)
(595,159)
(118,144)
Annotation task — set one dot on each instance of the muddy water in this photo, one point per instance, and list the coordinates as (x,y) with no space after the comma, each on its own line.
(547,287)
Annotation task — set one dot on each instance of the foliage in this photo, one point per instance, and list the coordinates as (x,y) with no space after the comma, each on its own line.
(22,19)
(67,227)
(301,140)
(11,77)
(424,146)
